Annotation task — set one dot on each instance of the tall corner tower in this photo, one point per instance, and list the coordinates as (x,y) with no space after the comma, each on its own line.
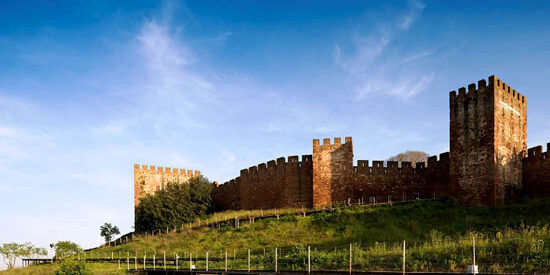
(488,139)
(332,171)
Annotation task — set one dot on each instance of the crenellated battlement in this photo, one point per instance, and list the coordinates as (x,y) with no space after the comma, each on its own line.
(150,178)
(536,172)
(277,164)
(166,170)
(536,154)
(328,145)
(509,91)
(495,85)
(392,167)
(471,93)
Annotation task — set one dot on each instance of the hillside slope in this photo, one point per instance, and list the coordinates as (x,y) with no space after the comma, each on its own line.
(438,235)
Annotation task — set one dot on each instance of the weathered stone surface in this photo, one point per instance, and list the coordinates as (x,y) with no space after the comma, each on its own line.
(148,180)
(332,171)
(488,139)
(329,177)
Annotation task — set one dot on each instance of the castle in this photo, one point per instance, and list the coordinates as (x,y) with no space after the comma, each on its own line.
(488,164)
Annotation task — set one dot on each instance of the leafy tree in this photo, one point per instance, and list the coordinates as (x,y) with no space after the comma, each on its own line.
(64,249)
(412,156)
(30,251)
(176,204)
(10,252)
(108,231)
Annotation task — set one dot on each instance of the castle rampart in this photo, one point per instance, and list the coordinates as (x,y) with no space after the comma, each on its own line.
(536,173)
(275,184)
(329,177)
(149,179)
(487,164)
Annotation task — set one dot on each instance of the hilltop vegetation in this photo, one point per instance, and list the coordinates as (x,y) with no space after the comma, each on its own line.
(438,234)
(175,204)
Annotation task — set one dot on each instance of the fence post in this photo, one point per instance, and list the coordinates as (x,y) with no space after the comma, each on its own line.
(135,261)
(128,261)
(350,257)
(144,259)
(206,260)
(164,258)
(226,261)
(474,254)
(177,263)
(248,260)
(275,259)
(190,261)
(154,261)
(404,256)
(308,259)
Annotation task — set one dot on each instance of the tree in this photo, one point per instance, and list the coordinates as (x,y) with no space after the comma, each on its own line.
(176,204)
(411,156)
(108,231)
(10,252)
(64,249)
(30,251)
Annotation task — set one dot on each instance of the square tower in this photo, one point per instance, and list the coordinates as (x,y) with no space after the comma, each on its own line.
(488,139)
(332,171)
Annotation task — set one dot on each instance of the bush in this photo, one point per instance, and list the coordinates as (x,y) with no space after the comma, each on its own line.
(70,266)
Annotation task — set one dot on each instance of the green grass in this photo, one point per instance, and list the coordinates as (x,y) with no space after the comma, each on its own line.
(513,238)
(96,268)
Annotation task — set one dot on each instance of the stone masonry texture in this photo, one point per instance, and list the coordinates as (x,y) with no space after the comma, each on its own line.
(488,164)
(148,180)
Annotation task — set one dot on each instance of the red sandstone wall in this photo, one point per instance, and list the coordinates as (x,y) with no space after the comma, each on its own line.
(283,184)
(536,173)
(382,183)
(332,171)
(277,184)
(149,179)
(488,136)
(510,140)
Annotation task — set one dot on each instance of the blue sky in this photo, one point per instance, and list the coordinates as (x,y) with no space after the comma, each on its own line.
(88,89)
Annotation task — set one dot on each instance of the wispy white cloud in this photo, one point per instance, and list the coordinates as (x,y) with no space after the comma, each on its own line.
(412,13)
(171,88)
(7,131)
(378,71)
(223,37)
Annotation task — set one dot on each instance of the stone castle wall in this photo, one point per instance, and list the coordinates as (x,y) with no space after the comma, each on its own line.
(486,164)
(329,177)
(536,173)
(149,179)
(275,184)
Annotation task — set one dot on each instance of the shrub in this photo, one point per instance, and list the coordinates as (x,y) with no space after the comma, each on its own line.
(71,266)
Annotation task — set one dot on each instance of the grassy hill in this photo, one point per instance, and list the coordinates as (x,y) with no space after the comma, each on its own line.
(438,235)
(513,238)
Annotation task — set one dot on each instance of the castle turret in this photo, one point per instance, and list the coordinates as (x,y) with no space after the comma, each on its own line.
(488,139)
(332,171)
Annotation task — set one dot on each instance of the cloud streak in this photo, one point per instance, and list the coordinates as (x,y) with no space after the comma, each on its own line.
(376,70)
